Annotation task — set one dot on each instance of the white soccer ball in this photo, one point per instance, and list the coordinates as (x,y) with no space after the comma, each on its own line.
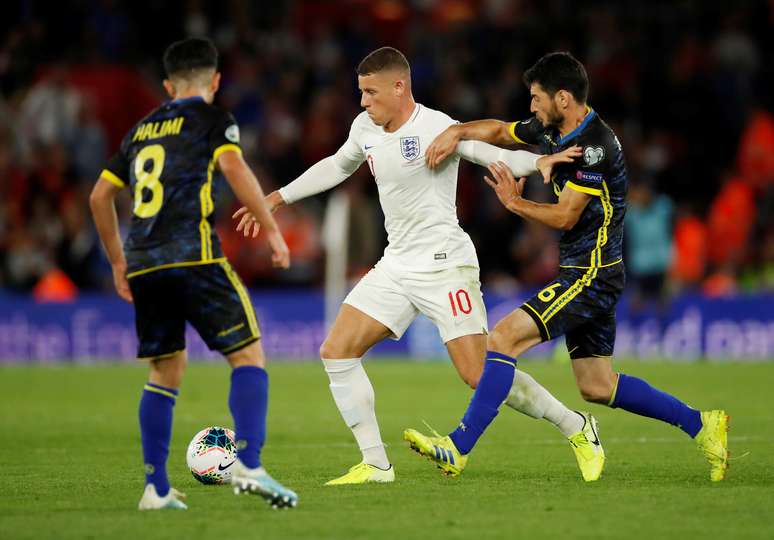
(211,455)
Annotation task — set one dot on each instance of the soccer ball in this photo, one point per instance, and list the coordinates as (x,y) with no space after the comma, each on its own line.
(211,455)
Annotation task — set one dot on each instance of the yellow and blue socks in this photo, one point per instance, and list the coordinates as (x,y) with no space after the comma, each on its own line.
(492,390)
(156,407)
(248,401)
(638,397)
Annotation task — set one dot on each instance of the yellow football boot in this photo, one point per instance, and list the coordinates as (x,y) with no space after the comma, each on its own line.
(588,449)
(439,449)
(362,473)
(713,442)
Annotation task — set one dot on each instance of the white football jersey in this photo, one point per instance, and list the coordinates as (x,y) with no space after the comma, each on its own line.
(419,204)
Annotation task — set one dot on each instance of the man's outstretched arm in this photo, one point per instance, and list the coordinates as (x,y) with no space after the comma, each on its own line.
(563,215)
(445,144)
(520,162)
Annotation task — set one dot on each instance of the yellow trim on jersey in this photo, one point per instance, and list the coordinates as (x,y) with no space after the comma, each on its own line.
(112,178)
(244,297)
(596,257)
(569,294)
(548,334)
(225,148)
(583,189)
(150,388)
(600,266)
(512,132)
(205,200)
(173,265)
(205,231)
(607,209)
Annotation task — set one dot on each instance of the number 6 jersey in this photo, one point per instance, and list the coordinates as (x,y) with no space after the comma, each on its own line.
(169,162)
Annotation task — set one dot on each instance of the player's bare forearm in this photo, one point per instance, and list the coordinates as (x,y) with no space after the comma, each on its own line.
(103,210)
(246,188)
(490,131)
(552,215)
(249,192)
(563,215)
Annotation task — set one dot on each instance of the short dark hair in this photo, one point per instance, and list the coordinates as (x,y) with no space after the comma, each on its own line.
(184,57)
(560,71)
(382,59)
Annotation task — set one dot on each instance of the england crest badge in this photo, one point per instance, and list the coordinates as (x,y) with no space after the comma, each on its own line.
(409,147)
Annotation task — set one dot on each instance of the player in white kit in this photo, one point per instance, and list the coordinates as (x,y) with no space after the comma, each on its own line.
(429,265)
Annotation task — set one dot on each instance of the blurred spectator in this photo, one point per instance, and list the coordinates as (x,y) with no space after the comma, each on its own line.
(730,221)
(75,76)
(648,229)
(49,112)
(690,249)
(755,159)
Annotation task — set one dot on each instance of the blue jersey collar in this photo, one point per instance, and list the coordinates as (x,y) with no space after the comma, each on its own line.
(183,101)
(590,114)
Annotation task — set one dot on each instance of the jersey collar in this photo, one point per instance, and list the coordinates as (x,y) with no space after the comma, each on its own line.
(590,114)
(414,114)
(183,101)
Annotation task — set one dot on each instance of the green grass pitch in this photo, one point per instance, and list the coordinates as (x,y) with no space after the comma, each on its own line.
(72,467)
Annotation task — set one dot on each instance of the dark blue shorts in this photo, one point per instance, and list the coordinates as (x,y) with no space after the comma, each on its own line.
(209,296)
(580,304)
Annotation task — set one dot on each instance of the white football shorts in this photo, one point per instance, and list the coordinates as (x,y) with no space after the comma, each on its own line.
(450,298)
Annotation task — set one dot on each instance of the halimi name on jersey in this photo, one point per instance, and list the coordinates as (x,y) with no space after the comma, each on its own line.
(156,130)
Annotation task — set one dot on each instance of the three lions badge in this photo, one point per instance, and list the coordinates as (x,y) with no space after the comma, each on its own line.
(409,148)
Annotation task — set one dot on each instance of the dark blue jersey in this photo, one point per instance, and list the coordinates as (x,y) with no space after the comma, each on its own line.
(596,240)
(169,162)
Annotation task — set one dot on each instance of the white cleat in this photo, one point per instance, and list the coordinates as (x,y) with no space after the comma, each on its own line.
(259,482)
(151,500)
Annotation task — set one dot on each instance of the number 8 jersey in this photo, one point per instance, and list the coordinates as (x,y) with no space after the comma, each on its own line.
(169,161)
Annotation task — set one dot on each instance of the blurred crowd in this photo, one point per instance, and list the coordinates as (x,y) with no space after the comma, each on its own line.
(686,85)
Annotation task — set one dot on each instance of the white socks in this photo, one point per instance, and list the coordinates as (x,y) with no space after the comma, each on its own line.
(528,397)
(354,396)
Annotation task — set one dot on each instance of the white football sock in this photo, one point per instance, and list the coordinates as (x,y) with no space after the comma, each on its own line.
(354,396)
(528,397)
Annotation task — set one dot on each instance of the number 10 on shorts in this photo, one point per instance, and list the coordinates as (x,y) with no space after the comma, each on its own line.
(460,300)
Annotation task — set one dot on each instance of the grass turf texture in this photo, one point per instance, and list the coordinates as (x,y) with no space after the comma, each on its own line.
(72,466)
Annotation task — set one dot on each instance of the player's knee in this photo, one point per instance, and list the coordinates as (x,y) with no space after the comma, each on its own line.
(471,378)
(329,350)
(251,355)
(168,371)
(498,339)
(596,391)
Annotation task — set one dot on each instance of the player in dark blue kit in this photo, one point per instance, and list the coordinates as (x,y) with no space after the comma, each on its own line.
(173,270)
(580,302)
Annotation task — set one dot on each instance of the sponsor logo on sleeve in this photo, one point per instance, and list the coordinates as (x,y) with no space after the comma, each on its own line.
(593,155)
(589,176)
(232,133)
